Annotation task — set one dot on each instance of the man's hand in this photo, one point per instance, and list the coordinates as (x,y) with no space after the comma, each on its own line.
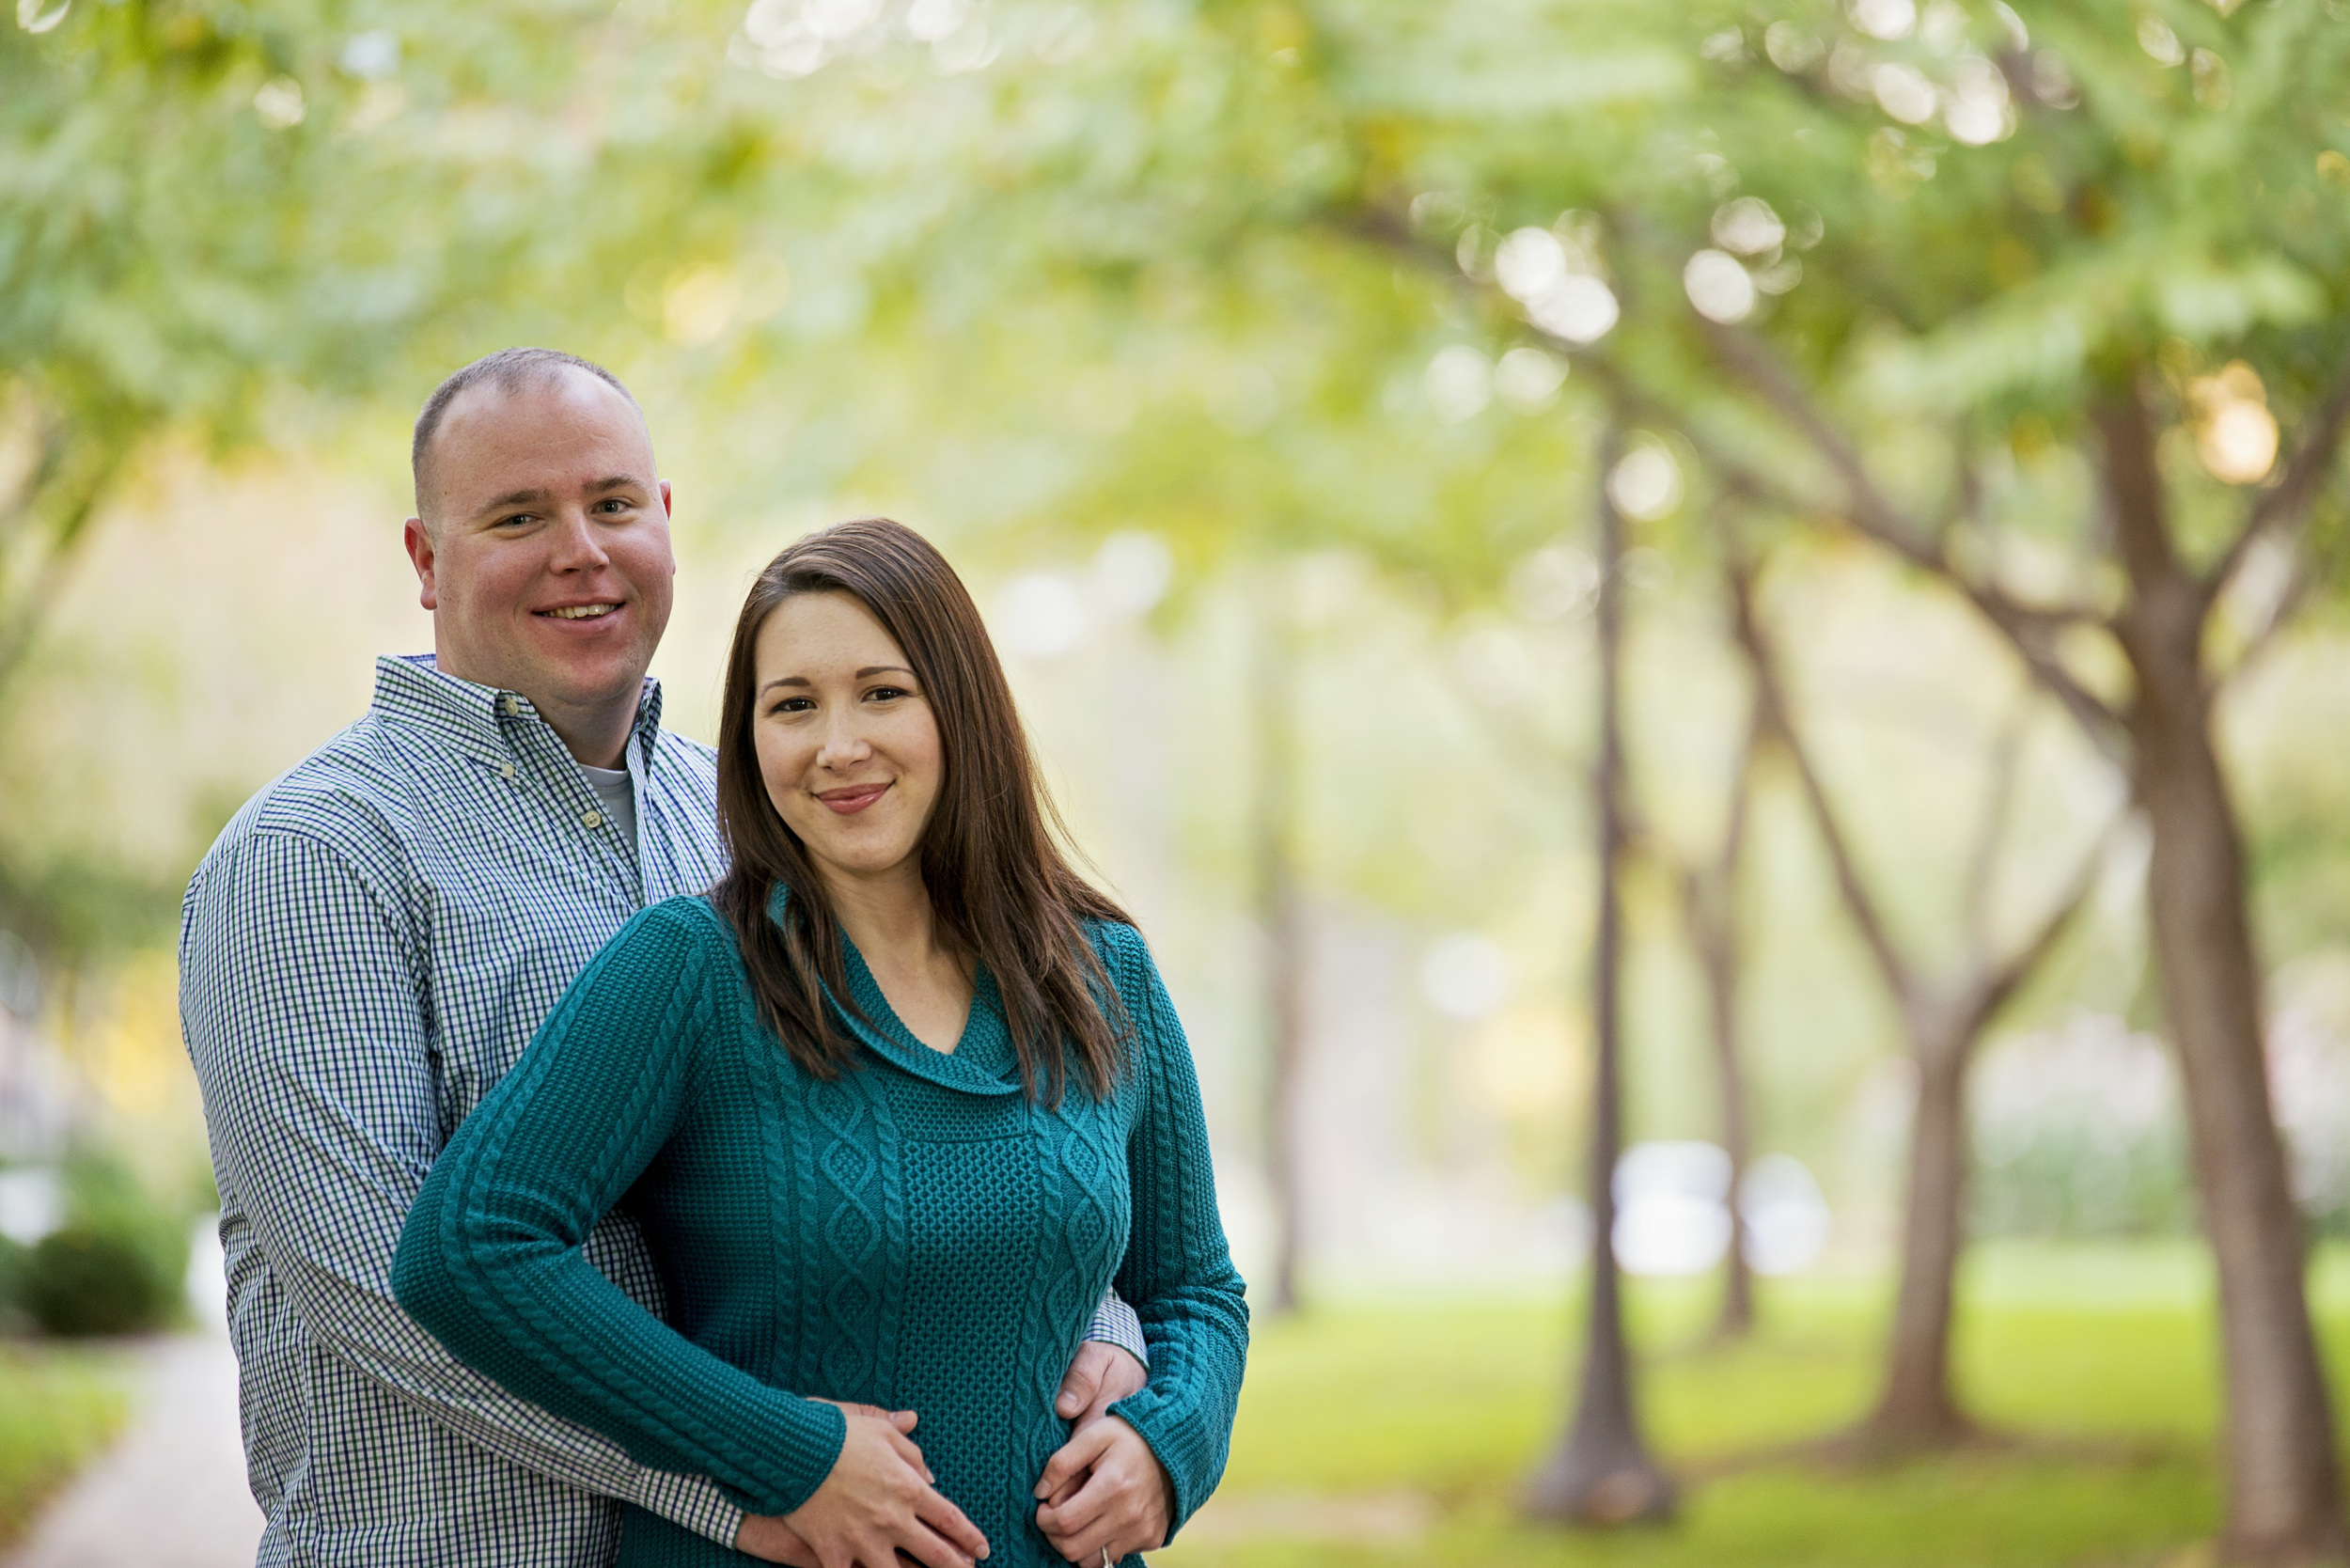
(1100,1376)
(1125,1501)
(766,1537)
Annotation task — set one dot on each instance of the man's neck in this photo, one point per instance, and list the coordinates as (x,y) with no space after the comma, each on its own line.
(598,738)
(595,733)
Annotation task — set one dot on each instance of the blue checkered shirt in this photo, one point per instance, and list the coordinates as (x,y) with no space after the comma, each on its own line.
(363,954)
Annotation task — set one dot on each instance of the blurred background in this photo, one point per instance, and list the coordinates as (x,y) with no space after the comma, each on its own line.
(1748,596)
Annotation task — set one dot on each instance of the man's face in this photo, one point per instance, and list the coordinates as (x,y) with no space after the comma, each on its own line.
(544,552)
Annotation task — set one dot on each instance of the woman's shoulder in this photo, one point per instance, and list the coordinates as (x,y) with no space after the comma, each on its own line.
(1133,973)
(671,932)
(1118,945)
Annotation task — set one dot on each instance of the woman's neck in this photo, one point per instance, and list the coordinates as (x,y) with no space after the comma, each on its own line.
(888,916)
(890,920)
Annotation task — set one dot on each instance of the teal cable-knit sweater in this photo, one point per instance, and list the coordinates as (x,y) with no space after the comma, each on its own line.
(918,1234)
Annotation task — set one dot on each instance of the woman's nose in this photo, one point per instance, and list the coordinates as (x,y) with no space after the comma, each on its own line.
(845,745)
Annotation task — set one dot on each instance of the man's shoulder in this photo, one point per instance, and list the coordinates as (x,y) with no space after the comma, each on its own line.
(680,762)
(350,798)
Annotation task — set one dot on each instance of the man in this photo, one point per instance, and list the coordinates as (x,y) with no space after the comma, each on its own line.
(376,935)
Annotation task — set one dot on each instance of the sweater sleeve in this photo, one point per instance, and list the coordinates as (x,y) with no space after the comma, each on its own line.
(303,1004)
(1178,1272)
(489,1259)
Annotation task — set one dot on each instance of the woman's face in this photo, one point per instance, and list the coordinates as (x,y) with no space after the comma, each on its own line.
(847,743)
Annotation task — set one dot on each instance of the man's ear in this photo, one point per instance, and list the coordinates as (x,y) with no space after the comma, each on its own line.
(668,507)
(419,539)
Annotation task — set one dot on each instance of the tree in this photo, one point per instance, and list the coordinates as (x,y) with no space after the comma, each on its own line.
(1602,1473)
(1281,921)
(2025,308)
(1943,1020)
(1714,925)
(1711,920)
(220,225)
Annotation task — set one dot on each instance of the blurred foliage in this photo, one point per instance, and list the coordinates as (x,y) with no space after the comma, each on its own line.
(80,1281)
(115,1266)
(1227,272)
(2089,1365)
(58,1408)
(12,1260)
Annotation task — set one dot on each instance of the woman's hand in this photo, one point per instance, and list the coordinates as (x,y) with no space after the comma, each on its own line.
(879,1501)
(766,1537)
(1105,1492)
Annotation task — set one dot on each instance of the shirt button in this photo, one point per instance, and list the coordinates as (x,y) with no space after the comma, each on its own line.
(512,703)
(505,771)
(592,819)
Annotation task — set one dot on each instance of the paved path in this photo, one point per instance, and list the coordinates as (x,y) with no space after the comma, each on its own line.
(171,1493)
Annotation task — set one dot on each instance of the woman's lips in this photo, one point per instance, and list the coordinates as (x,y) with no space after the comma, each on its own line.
(849,802)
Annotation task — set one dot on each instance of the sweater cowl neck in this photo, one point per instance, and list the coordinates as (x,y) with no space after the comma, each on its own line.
(982,1062)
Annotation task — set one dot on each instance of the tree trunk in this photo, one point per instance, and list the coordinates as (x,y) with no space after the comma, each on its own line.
(1916,1408)
(2284,1497)
(1602,1473)
(1710,901)
(1722,974)
(1281,918)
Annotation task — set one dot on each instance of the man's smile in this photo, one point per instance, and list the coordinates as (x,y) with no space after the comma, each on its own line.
(580,612)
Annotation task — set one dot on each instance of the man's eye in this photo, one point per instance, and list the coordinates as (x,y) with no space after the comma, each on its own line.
(518,517)
(613,505)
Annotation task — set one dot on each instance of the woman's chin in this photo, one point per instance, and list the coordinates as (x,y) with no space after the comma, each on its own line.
(867,861)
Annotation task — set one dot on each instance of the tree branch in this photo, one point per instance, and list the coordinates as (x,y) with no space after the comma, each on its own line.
(1867,507)
(1991,833)
(1992,988)
(2030,628)
(2303,472)
(1900,977)
(65,497)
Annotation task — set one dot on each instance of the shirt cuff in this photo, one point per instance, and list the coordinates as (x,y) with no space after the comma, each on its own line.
(1115,1324)
(691,1501)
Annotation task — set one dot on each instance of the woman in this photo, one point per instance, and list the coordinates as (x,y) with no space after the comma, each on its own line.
(895,1103)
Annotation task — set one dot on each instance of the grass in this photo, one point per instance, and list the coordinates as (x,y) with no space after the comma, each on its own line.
(1396,1436)
(58,1408)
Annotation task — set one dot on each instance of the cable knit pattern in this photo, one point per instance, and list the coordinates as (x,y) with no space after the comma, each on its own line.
(918,1235)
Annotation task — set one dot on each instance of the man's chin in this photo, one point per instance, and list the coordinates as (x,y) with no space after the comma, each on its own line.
(602,680)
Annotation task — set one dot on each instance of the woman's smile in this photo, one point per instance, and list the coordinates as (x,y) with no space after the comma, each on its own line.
(852,798)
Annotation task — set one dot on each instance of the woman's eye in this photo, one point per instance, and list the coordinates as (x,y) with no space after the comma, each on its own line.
(793,705)
(884,694)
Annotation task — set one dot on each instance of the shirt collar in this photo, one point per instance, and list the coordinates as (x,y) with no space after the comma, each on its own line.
(983,1062)
(410,690)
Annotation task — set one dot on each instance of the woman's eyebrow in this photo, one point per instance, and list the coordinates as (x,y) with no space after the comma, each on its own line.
(803,680)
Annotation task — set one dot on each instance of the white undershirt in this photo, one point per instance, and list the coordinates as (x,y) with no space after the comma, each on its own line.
(612,787)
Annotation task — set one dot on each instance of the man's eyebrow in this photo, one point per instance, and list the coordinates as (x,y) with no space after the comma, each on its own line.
(538,497)
(517,498)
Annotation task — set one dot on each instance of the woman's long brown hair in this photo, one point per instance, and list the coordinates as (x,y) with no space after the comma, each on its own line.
(1001,891)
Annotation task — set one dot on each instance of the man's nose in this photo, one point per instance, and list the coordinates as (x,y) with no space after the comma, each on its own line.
(575,546)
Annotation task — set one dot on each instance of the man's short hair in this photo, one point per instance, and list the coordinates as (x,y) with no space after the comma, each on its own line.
(509,370)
